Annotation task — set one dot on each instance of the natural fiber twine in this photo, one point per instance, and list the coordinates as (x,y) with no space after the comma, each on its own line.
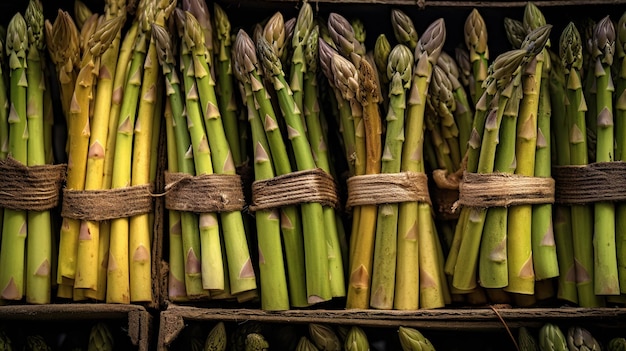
(387,188)
(101,205)
(295,188)
(445,194)
(34,188)
(502,189)
(203,193)
(596,182)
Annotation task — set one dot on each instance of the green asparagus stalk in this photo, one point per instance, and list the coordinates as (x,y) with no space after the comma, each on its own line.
(416,230)
(476,42)
(318,284)
(225,87)
(140,232)
(589,85)
(399,72)
(274,292)
(562,214)
(606,281)
(303,26)
(404,29)
(519,246)
(189,226)
(237,253)
(326,53)
(318,140)
(493,265)
(176,272)
(290,219)
(118,275)
(620,148)
(4,107)
(582,217)
(39,242)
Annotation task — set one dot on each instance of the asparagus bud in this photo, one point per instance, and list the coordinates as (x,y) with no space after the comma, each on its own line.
(551,338)
(432,41)
(604,41)
(403,28)
(324,337)
(343,36)
(580,339)
(412,340)
(515,32)
(356,340)
(382,48)
(274,33)
(570,48)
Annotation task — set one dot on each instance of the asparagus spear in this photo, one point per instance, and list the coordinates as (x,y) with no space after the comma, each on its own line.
(190,236)
(326,53)
(319,147)
(356,340)
(87,269)
(399,72)
(303,26)
(318,284)
(519,247)
(176,290)
(290,220)
(475,31)
(543,246)
(359,30)
(562,214)
(118,279)
(620,148)
(81,13)
(39,242)
(411,339)
(582,217)
(274,295)
(239,262)
(224,88)
(414,219)
(606,281)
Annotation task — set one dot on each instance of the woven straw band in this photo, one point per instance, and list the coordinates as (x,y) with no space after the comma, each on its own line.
(203,193)
(502,190)
(596,182)
(295,188)
(102,205)
(387,188)
(445,194)
(33,188)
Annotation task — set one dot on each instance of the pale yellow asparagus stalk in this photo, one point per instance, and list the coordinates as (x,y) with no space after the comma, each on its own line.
(88,260)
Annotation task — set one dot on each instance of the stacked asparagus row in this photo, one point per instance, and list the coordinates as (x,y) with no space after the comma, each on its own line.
(26,248)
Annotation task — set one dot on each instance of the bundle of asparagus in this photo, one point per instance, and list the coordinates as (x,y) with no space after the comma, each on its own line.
(25,134)
(210,257)
(511,90)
